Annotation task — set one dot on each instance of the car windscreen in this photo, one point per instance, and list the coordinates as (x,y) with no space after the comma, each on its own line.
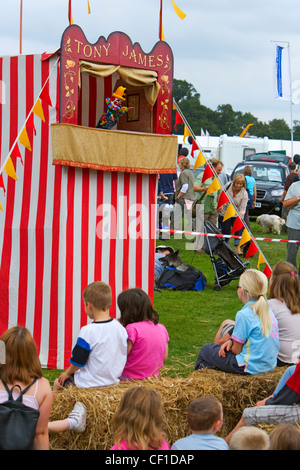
(265,174)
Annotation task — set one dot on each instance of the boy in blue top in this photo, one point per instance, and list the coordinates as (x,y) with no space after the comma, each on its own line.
(205,418)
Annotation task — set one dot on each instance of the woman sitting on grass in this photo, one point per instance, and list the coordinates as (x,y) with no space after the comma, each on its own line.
(254,343)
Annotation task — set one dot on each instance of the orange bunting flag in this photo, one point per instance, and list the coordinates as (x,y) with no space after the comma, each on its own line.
(38,110)
(267,271)
(1,208)
(251,250)
(200,160)
(215,186)
(194,147)
(230,212)
(178,11)
(10,169)
(223,199)
(16,153)
(30,123)
(238,224)
(89,8)
(2,183)
(245,237)
(186,133)
(261,260)
(208,173)
(178,120)
(24,140)
(44,95)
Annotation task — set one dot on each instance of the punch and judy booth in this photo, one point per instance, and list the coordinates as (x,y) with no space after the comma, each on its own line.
(79,201)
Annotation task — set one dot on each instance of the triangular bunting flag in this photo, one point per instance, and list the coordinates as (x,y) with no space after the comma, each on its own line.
(16,153)
(223,199)
(251,250)
(178,120)
(2,183)
(208,173)
(1,208)
(200,160)
(30,123)
(230,212)
(194,147)
(267,271)
(44,95)
(186,133)
(10,169)
(89,8)
(38,110)
(245,237)
(238,224)
(24,140)
(215,186)
(178,11)
(261,260)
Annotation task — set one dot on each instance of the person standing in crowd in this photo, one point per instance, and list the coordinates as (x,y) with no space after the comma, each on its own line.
(209,201)
(291,178)
(291,202)
(251,190)
(184,193)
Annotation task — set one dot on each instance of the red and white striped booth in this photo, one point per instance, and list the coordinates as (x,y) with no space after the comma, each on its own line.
(76,205)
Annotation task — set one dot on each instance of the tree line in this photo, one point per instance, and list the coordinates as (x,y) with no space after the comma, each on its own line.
(224,120)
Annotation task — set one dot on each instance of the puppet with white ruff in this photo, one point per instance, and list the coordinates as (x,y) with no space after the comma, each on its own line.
(114,109)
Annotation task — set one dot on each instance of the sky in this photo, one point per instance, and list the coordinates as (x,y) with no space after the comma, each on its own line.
(224,48)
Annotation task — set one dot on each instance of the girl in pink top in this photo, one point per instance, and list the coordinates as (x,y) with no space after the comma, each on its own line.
(147,344)
(138,422)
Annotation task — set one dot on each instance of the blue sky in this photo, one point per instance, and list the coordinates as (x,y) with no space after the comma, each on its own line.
(223,47)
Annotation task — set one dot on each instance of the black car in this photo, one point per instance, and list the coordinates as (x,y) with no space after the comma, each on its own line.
(270,178)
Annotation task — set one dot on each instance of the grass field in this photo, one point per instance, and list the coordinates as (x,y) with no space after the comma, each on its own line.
(192,318)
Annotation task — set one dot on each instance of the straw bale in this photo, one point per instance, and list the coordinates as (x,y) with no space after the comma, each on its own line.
(234,391)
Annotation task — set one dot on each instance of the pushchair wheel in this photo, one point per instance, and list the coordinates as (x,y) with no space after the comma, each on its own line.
(217,287)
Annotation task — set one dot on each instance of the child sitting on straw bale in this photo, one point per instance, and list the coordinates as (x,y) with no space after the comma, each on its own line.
(147,339)
(99,356)
(138,421)
(281,407)
(205,419)
(254,343)
(285,436)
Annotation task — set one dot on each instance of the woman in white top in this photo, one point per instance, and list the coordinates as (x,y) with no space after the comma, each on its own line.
(284,300)
(21,366)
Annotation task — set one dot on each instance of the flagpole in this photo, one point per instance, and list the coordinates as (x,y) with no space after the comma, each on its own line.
(21,21)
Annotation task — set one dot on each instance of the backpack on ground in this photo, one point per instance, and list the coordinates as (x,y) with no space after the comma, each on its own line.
(175,279)
(17,421)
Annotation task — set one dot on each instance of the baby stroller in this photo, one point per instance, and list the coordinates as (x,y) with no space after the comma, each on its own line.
(226,263)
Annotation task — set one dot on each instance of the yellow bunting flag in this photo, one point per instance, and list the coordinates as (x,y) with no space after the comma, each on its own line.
(1,208)
(24,140)
(38,110)
(261,260)
(245,130)
(10,169)
(178,11)
(230,212)
(186,133)
(200,160)
(245,237)
(215,186)
(89,8)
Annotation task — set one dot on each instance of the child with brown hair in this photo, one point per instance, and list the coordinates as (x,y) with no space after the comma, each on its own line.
(21,367)
(99,355)
(147,339)
(285,436)
(138,421)
(205,419)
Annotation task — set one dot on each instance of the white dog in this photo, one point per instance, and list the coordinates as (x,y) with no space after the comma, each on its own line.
(271,222)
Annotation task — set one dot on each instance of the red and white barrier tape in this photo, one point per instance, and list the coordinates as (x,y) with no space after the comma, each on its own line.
(217,235)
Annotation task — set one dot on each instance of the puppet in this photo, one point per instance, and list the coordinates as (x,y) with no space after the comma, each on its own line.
(114,109)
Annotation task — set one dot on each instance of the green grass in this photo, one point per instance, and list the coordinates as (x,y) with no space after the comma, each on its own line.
(192,318)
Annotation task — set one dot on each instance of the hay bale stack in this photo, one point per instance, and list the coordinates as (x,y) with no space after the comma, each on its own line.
(235,393)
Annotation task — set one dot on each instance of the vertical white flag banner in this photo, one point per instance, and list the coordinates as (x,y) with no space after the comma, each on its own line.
(282,77)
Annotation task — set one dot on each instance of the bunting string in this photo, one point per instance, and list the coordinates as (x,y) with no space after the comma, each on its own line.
(216,185)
